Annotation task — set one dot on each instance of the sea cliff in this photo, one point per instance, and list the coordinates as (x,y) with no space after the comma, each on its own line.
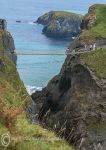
(73,103)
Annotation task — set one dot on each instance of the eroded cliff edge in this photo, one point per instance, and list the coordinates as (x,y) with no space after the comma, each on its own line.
(74,102)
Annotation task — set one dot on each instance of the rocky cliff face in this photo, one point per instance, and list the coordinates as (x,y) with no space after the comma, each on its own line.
(3,24)
(92,28)
(89,19)
(7,46)
(74,102)
(60,24)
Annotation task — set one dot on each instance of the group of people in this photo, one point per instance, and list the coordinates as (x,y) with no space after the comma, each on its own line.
(85,48)
(90,47)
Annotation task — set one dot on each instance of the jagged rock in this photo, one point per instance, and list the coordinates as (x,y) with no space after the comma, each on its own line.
(73,103)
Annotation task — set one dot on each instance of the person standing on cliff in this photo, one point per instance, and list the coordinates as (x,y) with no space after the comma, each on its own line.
(90,47)
(94,46)
(85,47)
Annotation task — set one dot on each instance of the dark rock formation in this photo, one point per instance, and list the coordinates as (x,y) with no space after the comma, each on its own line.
(60,24)
(18,21)
(73,104)
(3,24)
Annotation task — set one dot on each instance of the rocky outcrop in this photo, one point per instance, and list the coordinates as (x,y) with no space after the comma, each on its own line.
(3,24)
(89,19)
(60,24)
(9,46)
(73,104)
(91,26)
(7,43)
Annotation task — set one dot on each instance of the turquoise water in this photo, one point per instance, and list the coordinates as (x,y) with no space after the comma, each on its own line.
(38,70)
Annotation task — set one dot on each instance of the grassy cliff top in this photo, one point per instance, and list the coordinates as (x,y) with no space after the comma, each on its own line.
(96,14)
(65,14)
(96,60)
(55,15)
(100,27)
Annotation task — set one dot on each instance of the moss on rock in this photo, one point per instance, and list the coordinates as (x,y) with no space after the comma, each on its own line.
(60,24)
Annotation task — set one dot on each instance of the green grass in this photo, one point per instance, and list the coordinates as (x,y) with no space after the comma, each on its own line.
(99,28)
(28,136)
(96,60)
(24,135)
(14,92)
(13,99)
(66,14)
(1,40)
(37,137)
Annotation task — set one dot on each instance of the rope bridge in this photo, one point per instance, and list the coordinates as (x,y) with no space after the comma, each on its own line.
(67,53)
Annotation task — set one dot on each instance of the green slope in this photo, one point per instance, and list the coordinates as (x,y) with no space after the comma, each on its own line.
(96,60)
(13,101)
(98,30)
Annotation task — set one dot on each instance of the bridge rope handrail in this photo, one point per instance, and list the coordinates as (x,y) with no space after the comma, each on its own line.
(68,52)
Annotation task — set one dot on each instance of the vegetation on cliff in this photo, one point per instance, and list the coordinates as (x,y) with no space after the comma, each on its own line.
(1,40)
(13,119)
(93,27)
(60,24)
(96,60)
(96,15)
(74,101)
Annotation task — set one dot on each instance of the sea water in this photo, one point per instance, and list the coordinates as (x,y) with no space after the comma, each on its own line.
(36,71)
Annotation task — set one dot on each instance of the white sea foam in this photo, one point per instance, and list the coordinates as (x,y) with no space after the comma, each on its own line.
(73,38)
(31,23)
(32,89)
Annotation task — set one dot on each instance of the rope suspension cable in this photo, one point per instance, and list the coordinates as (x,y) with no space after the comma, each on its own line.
(73,52)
